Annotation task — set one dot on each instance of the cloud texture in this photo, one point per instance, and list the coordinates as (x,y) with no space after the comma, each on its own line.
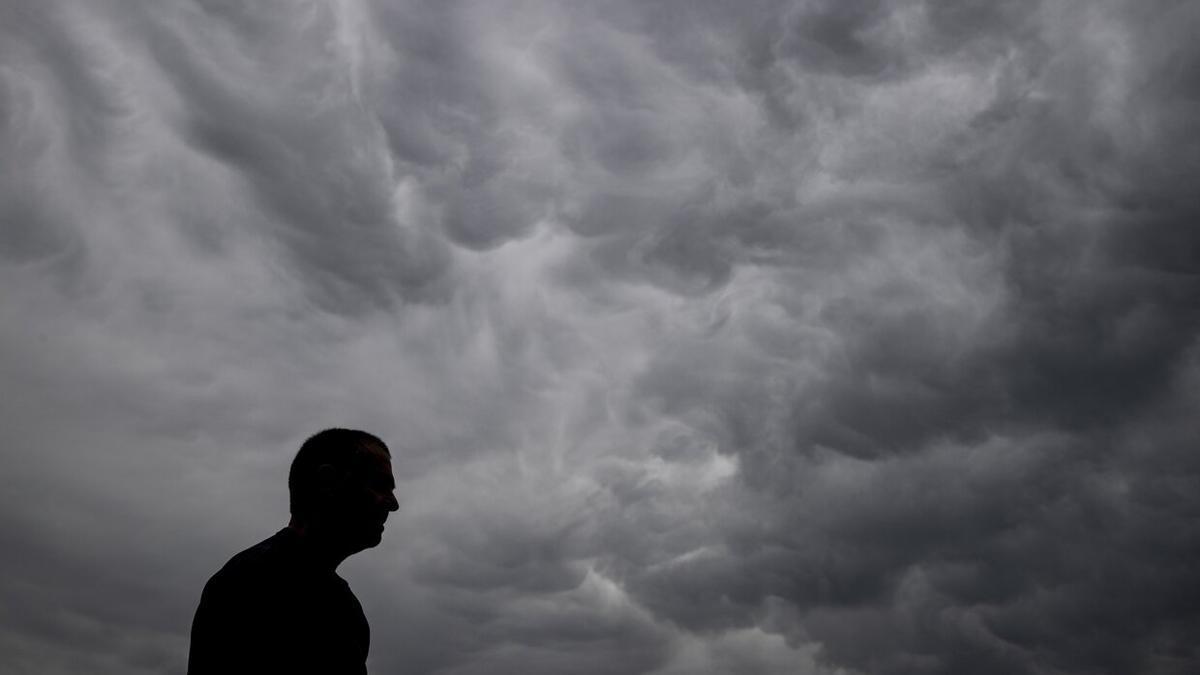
(710,337)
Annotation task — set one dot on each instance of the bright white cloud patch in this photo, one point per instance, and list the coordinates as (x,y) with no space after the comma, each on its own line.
(784,337)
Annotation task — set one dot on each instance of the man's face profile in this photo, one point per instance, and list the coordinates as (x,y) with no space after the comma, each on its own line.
(360,504)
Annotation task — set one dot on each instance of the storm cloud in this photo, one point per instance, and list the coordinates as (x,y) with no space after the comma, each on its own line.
(709,337)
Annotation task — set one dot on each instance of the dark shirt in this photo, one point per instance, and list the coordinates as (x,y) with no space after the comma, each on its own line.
(270,610)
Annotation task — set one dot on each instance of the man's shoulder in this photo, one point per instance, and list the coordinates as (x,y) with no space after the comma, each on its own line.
(265,561)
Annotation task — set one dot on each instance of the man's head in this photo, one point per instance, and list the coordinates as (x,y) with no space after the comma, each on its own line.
(341,484)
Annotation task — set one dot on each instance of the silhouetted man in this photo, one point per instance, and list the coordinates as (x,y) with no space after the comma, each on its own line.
(279,606)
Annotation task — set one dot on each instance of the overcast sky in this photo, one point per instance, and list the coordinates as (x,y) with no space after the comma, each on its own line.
(816,337)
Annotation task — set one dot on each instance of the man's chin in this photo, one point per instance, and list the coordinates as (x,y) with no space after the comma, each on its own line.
(372,538)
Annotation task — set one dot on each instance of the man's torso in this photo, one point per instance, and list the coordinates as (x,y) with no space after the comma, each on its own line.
(269,610)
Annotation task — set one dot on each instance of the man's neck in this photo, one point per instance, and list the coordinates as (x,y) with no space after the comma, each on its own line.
(321,549)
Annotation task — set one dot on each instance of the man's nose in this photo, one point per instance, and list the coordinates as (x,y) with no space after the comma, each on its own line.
(392,503)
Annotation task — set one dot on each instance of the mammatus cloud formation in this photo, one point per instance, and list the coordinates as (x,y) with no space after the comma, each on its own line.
(757,337)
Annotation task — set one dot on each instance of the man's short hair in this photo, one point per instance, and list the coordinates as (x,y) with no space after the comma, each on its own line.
(340,448)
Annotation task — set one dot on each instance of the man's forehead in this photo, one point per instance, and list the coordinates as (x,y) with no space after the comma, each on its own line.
(376,456)
(375,448)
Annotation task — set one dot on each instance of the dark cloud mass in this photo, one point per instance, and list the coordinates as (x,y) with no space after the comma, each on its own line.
(758,337)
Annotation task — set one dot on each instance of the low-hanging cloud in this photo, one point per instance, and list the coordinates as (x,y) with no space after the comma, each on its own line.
(820,337)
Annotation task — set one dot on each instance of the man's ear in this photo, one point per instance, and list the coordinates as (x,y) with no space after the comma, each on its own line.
(327,479)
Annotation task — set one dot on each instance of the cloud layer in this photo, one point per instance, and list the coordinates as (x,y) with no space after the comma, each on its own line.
(819,337)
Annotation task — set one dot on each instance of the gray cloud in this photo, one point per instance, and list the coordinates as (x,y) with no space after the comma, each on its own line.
(786,337)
